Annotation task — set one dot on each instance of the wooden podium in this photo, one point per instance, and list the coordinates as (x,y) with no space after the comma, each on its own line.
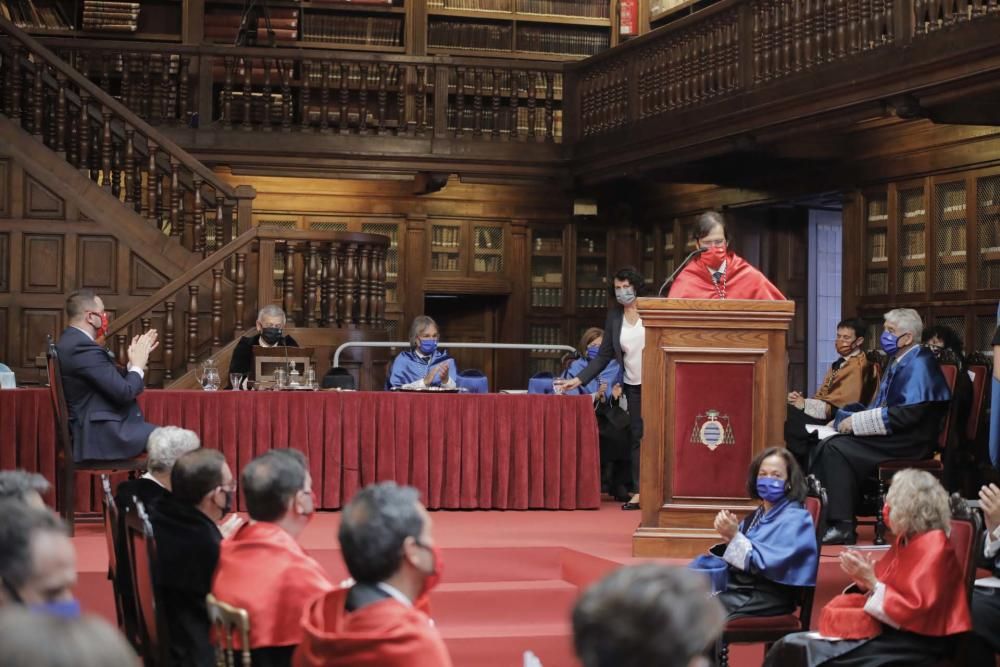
(714,376)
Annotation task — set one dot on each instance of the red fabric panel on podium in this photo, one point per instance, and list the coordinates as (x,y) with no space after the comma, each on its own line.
(726,388)
(462,451)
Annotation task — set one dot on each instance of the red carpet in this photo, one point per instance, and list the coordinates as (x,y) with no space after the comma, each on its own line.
(510,578)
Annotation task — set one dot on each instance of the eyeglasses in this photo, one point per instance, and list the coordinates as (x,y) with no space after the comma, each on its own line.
(717,243)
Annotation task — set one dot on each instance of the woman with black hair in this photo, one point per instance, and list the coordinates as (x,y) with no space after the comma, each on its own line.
(718,272)
(624,339)
(772,552)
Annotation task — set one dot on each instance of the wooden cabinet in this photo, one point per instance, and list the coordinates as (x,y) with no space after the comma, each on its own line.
(876,248)
(950,225)
(445,241)
(547,245)
(911,239)
(473,249)
(591,270)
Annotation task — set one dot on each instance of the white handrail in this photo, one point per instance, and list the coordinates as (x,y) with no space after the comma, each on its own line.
(476,346)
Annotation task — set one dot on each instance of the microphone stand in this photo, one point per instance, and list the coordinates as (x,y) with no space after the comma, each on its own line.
(687,260)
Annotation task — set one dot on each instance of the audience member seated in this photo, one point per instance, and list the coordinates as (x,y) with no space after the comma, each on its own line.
(37,560)
(645,615)
(605,382)
(423,365)
(386,543)
(851,379)
(28,487)
(30,639)
(104,419)
(279,497)
(907,608)
(985,644)
(166,445)
(270,333)
(902,422)
(958,456)
(772,552)
(187,543)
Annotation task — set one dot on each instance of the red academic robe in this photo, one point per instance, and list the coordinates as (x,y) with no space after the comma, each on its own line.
(742,282)
(924,593)
(382,634)
(264,570)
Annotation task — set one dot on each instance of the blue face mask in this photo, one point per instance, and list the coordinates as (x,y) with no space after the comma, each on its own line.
(890,343)
(771,489)
(592,351)
(58,608)
(428,346)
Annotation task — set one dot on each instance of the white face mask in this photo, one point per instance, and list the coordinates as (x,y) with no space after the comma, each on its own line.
(625,295)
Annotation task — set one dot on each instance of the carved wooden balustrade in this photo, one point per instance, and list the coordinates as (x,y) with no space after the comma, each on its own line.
(132,160)
(322,279)
(738,46)
(330,92)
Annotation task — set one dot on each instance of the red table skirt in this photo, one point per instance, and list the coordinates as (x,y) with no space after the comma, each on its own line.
(462,451)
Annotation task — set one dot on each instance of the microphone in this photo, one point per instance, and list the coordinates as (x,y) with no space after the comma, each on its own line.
(673,275)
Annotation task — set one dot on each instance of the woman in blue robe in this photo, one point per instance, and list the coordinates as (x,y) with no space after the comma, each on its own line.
(772,553)
(590,344)
(423,365)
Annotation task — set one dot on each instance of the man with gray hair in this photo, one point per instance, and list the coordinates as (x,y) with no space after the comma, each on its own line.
(902,422)
(649,614)
(166,444)
(270,333)
(423,365)
(28,487)
(387,544)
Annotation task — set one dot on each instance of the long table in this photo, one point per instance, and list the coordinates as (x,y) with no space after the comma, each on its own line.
(462,451)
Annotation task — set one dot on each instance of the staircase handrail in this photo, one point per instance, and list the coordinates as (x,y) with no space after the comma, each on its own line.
(122,322)
(98,96)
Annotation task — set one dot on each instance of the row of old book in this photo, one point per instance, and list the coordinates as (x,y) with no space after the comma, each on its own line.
(223,25)
(582,8)
(364,30)
(53,15)
(110,16)
(29,14)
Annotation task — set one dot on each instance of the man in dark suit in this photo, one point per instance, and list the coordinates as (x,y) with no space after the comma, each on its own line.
(104,419)
(187,547)
(270,333)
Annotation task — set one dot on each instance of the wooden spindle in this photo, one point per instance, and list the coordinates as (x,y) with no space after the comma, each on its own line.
(168,341)
(183,88)
(459,100)
(239,293)
(151,183)
(176,220)
(116,169)
(106,148)
(363,100)
(311,271)
(382,98)
(477,102)
(307,70)
(324,96)
(331,285)
(345,98)
(364,284)
(193,323)
(286,95)
(121,348)
(267,101)
(166,94)
(349,283)
(38,101)
(495,108)
(220,218)
(247,93)
(227,93)
(515,97)
(549,107)
(381,277)
(288,279)
(531,105)
(421,105)
(216,309)
(198,217)
(403,126)
(14,83)
(106,75)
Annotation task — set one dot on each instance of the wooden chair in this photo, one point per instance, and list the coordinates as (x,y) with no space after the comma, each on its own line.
(151,625)
(66,465)
(112,539)
(885,470)
(967,535)
(769,629)
(982,369)
(228,621)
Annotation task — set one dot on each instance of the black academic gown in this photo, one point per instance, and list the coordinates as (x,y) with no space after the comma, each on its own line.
(187,545)
(242,360)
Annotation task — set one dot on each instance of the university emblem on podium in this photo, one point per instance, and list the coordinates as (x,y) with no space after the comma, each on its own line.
(712,429)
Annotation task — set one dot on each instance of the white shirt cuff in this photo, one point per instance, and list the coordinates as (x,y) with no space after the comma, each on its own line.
(992,545)
(737,551)
(816,408)
(136,370)
(419,384)
(875,605)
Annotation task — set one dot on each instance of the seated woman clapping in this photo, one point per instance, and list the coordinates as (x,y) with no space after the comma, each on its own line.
(772,552)
(903,610)
(423,365)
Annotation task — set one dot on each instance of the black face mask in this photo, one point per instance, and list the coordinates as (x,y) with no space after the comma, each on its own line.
(271,335)
(227,507)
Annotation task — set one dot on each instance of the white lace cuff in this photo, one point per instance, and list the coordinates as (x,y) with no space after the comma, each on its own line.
(992,544)
(869,422)
(738,551)
(816,408)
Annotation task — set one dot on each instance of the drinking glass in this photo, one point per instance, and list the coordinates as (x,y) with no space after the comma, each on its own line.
(280,378)
(211,380)
(310,379)
(236,381)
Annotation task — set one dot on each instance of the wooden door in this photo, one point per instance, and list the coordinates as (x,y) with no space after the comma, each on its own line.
(468,319)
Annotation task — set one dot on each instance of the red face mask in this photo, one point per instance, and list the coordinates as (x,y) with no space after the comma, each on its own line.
(713,257)
(103,329)
(885,515)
